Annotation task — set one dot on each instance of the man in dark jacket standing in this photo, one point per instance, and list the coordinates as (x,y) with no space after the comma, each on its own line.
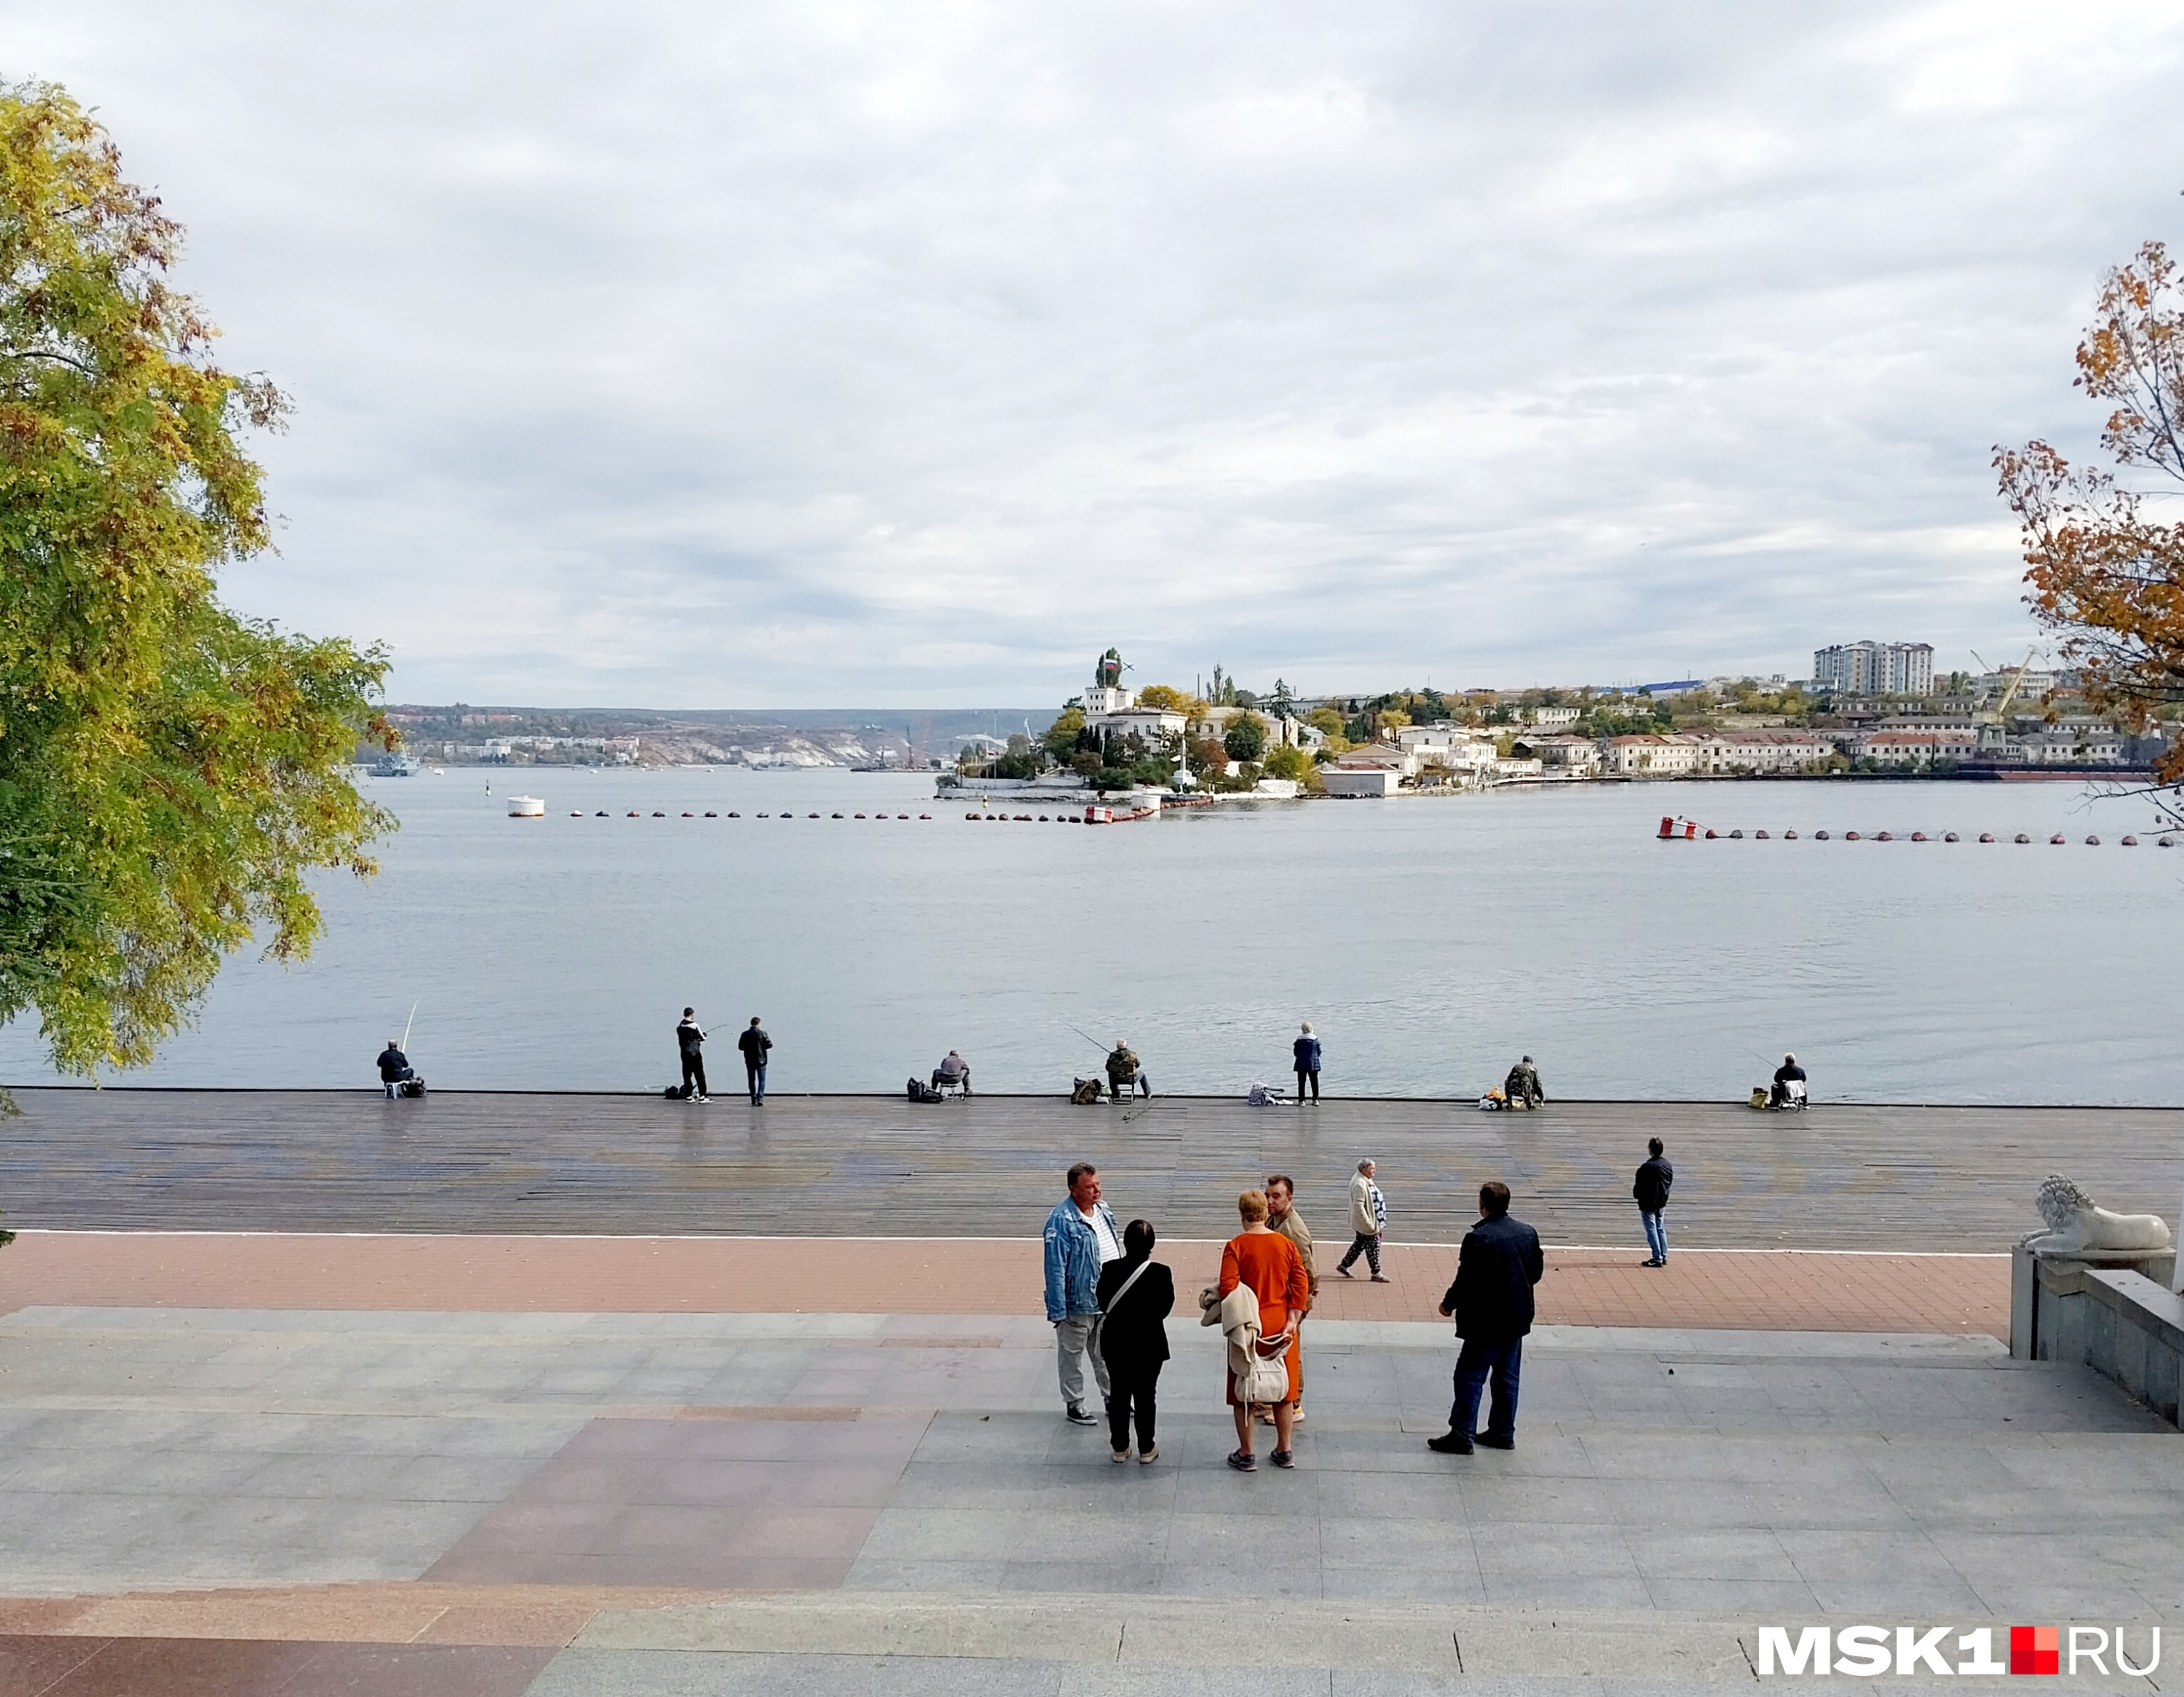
(1491,1299)
(1305,1049)
(755,1043)
(690,1043)
(1651,1191)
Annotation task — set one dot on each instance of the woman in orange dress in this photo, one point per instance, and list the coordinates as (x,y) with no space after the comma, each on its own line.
(1269,1263)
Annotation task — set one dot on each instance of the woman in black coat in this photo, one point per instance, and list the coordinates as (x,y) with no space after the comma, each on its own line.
(1136,1295)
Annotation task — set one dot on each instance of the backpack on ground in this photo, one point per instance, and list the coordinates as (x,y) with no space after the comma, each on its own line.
(412,1087)
(1084,1091)
(919,1091)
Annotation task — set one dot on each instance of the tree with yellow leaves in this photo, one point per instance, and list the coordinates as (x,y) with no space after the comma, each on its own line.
(2105,575)
(170,772)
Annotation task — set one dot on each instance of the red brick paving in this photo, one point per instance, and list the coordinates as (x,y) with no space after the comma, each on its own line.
(1771,1290)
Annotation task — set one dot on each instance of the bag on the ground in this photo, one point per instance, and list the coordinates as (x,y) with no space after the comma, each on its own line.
(1492,1102)
(1084,1091)
(920,1091)
(1259,1096)
(1759,1096)
(411,1088)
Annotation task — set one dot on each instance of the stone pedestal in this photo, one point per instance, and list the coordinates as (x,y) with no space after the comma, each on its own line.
(2111,1312)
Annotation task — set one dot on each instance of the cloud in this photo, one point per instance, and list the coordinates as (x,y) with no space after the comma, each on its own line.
(800,354)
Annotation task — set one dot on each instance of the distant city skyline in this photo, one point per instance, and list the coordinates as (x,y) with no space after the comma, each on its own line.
(668,356)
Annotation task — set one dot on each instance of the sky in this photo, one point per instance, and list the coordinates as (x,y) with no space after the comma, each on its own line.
(797,354)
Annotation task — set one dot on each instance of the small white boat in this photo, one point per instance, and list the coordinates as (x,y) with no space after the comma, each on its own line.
(525,807)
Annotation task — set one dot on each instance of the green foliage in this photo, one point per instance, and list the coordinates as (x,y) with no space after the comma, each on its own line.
(1245,738)
(1061,738)
(170,772)
(1286,762)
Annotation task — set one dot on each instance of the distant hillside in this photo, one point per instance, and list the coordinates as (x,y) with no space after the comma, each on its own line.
(462,733)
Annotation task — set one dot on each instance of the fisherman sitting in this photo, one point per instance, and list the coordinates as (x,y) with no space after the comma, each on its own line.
(1523,1085)
(1124,1074)
(953,1074)
(1788,1074)
(393,1067)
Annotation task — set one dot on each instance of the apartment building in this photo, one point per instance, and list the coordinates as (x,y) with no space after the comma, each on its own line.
(1871,668)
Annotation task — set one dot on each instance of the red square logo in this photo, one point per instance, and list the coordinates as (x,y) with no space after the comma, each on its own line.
(2035,1649)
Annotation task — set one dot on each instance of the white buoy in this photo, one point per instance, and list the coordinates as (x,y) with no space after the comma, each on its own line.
(525,807)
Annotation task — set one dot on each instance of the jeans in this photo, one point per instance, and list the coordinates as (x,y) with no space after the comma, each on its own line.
(1656,1234)
(1367,1247)
(1504,1358)
(754,1077)
(694,1071)
(1075,1336)
(1313,1075)
(1133,1392)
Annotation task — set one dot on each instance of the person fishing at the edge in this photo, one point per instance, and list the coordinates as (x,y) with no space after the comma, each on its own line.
(394,1067)
(1125,1073)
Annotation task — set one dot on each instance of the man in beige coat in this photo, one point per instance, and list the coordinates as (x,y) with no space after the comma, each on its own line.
(1282,1217)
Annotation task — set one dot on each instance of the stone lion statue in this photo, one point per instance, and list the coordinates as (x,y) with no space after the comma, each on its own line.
(2076,1224)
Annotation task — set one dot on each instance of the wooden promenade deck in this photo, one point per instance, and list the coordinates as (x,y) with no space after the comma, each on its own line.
(1878,1178)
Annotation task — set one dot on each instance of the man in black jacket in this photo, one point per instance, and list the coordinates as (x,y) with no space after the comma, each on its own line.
(1491,1299)
(690,1044)
(393,1067)
(1651,1191)
(755,1043)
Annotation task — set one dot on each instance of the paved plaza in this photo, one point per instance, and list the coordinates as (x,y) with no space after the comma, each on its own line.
(775,1413)
(299,1500)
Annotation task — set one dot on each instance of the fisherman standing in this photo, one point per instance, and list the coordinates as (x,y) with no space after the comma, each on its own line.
(1306,1051)
(690,1044)
(755,1043)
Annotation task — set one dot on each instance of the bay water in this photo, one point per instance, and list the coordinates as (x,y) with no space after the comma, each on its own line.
(1428,941)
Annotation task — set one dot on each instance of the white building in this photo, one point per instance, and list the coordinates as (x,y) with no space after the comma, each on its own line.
(1113,711)
(1914,748)
(1671,756)
(1871,668)
(1551,718)
(1573,756)
(1359,781)
(1739,753)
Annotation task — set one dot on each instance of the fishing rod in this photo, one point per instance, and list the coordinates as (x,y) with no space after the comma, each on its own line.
(1088,1037)
(408,1023)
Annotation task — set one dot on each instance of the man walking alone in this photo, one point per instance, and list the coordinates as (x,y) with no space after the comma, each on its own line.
(1079,1240)
(1491,1299)
(1369,1219)
(690,1043)
(1652,1190)
(1305,1049)
(755,1043)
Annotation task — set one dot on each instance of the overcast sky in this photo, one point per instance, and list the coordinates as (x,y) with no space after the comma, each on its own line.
(811,353)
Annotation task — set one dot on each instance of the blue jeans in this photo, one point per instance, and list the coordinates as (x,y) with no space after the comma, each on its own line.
(1656,1234)
(1504,1358)
(756,1077)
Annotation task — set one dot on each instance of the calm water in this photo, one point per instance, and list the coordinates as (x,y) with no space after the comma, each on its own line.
(1429,942)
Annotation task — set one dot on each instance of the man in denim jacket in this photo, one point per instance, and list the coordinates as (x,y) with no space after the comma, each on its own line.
(1081,1238)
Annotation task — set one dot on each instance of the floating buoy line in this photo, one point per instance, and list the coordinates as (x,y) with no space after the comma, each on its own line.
(1674,829)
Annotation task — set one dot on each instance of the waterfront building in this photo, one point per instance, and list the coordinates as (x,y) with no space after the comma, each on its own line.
(1899,747)
(1871,668)
(1340,780)
(1672,755)
(1576,757)
(1752,753)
